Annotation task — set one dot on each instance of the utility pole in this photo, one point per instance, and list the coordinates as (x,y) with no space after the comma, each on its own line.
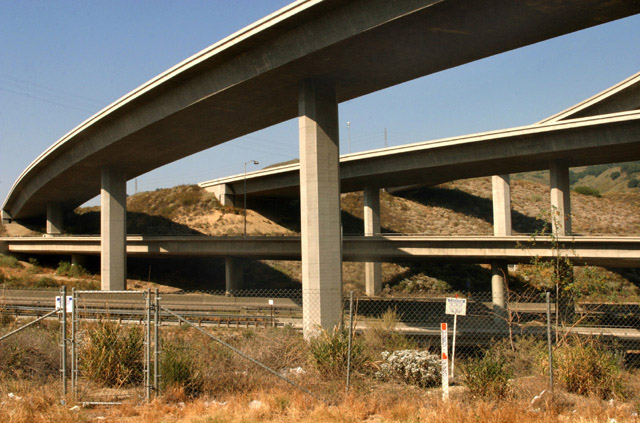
(255,162)
(349,136)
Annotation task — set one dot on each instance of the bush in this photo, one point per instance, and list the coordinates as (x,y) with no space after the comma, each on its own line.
(633,183)
(178,368)
(113,354)
(584,190)
(31,354)
(329,353)
(614,176)
(585,367)
(8,261)
(67,269)
(488,376)
(413,367)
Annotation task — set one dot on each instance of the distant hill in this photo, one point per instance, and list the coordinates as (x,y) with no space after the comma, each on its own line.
(605,178)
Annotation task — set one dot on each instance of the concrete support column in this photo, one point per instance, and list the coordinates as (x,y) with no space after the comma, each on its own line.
(501,205)
(113,230)
(79,260)
(234,273)
(320,206)
(224,194)
(54,219)
(560,198)
(372,270)
(499,273)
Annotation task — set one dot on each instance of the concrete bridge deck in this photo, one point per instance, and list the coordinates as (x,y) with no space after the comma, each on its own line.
(600,251)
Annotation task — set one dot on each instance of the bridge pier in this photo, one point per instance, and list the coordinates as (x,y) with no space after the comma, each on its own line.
(224,194)
(54,219)
(501,205)
(499,275)
(321,245)
(113,230)
(234,274)
(560,198)
(372,270)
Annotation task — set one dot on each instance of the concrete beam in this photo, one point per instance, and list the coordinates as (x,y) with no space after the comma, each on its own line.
(501,205)
(372,270)
(234,274)
(560,198)
(54,219)
(113,230)
(321,245)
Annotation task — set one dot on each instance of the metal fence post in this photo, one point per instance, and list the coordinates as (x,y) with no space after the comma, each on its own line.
(350,337)
(156,340)
(63,304)
(549,342)
(147,355)
(74,356)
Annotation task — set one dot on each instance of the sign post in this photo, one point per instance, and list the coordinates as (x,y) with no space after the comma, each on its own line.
(455,306)
(444,344)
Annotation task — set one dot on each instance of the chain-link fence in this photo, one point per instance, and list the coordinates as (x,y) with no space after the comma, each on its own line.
(110,342)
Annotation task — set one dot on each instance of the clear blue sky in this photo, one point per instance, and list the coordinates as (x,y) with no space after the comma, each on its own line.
(62,61)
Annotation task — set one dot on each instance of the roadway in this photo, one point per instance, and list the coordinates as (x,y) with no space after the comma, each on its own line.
(581,141)
(588,250)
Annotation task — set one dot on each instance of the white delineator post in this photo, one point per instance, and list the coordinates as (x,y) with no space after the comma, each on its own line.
(320,206)
(113,230)
(444,344)
(372,270)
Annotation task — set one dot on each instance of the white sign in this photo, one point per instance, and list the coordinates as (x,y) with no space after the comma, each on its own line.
(444,344)
(69,304)
(456,306)
(270,302)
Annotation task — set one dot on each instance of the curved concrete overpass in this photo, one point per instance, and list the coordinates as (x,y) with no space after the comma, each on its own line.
(251,80)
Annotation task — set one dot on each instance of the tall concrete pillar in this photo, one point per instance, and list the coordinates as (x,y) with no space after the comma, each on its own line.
(79,260)
(234,273)
(113,230)
(560,198)
(501,205)
(54,219)
(320,206)
(499,273)
(372,270)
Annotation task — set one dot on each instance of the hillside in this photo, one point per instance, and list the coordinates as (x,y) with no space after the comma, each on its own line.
(605,178)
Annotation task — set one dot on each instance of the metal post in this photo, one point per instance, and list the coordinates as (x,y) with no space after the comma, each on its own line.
(63,304)
(156,339)
(74,357)
(549,342)
(350,337)
(349,137)
(453,346)
(147,393)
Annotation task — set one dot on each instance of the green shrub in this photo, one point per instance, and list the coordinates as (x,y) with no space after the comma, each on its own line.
(614,176)
(585,367)
(329,353)
(8,261)
(633,183)
(67,269)
(488,376)
(584,190)
(113,354)
(178,367)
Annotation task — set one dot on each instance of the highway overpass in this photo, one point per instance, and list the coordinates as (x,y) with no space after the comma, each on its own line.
(301,62)
(596,251)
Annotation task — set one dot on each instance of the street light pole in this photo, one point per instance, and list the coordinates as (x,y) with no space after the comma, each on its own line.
(349,136)
(255,162)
